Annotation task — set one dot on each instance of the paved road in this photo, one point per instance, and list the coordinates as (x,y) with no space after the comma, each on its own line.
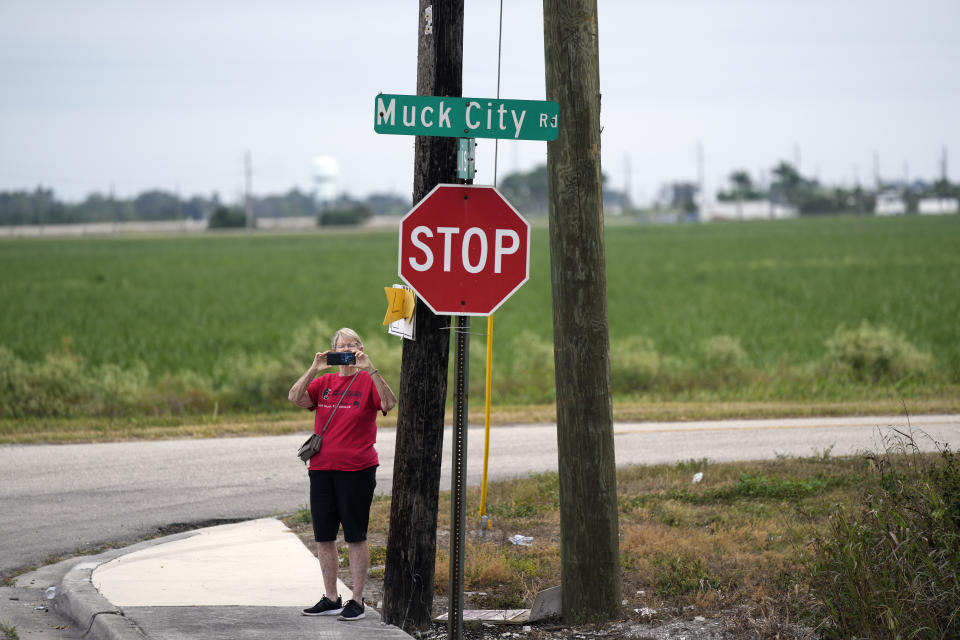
(55,499)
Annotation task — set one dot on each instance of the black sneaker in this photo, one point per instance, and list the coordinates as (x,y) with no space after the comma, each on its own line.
(326,607)
(352,611)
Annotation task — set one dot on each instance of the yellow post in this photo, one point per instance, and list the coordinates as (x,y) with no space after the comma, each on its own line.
(484,523)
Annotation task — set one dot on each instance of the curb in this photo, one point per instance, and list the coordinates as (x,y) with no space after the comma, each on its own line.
(99,618)
(81,601)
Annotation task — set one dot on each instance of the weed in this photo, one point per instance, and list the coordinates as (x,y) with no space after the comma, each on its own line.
(509,596)
(9,631)
(526,497)
(302,516)
(822,455)
(524,566)
(892,568)
(756,486)
(692,464)
(378,554)
(513,509)
(678,576)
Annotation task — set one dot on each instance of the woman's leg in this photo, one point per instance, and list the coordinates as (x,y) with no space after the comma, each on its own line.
(326,523)
(329,564)
(354,497)
(359,564)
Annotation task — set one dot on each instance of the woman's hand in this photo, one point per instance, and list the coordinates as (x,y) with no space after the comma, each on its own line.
(320,361)
(363,360)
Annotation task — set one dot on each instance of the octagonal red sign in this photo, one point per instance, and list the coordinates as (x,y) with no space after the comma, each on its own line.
(464,249)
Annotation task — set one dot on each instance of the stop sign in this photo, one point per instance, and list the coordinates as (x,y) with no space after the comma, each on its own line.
(464,249)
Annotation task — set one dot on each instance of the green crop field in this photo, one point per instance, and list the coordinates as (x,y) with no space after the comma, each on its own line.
(812,309)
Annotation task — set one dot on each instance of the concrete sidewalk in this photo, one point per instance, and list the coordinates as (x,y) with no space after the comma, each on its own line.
(237,581)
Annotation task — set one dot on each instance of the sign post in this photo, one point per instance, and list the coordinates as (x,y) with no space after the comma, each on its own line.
(466,168)
(464,250)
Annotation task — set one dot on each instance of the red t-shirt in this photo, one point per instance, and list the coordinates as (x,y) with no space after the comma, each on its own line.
(350,436)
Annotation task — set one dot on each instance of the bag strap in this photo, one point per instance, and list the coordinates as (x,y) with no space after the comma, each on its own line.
(330,417)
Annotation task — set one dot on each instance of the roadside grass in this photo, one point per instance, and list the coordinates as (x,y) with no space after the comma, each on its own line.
(747,537)
(739,536)
(98,429)
(854,546)
(890,567)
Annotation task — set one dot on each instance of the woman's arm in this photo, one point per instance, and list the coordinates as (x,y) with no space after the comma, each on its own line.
(387,399)
(298,392)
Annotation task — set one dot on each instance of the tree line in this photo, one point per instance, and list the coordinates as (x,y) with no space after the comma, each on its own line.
(809,197)
(42,207)
(526,191)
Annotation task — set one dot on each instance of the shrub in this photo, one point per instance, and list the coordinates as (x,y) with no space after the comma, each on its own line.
(56,386)
(892,570)
(63,385)
(635,364)
(255,381)
(724,354)
(530,377)
(226,218)
(873,354)
(307,341)
(114,389)
(346,215)
(13,387)
(184,392)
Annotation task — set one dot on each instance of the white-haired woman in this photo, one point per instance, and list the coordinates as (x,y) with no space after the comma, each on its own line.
(343,472)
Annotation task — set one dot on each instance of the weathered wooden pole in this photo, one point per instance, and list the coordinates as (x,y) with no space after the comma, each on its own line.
(590,568)
(412,543)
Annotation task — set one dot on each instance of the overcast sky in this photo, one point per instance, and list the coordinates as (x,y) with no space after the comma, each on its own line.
(139,94)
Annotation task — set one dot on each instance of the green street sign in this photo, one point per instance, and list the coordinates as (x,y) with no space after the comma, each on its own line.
(466,117)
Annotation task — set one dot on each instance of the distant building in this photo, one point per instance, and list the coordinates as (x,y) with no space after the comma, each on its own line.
(746,210)
(678,196)
(890,203)
(938,206)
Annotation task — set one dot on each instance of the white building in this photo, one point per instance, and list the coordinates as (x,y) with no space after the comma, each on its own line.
(938,206)
(746,210)
(889,203)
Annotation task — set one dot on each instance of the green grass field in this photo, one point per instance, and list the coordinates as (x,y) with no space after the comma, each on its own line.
(724,311)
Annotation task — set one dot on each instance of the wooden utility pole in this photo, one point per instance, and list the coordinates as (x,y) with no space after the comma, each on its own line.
(590,568)
(412,543)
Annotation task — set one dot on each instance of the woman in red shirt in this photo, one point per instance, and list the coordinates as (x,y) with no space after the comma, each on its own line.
(343,472)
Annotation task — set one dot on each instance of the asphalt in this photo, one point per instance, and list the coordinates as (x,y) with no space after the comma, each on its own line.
(237,581)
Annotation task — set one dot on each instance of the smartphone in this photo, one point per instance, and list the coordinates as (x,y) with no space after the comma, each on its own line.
(341,357)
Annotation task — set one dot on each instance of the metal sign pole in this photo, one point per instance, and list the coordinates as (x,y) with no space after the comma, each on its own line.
(458,475)
(458,478)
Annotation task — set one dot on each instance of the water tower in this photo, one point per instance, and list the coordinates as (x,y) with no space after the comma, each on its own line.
(325,174)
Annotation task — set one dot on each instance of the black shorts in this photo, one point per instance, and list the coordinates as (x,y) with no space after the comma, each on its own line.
(341,497)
